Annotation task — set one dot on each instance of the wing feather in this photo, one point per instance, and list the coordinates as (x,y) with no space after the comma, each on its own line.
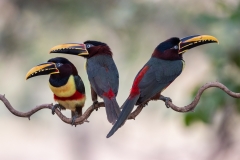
(160,74)
(103,74)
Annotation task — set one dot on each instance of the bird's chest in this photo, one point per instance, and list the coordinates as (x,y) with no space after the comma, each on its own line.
(169,69)
(97,63)
(71,104)
(66,90)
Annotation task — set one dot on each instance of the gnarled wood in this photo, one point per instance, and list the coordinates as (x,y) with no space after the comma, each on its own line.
(133,115)
(194,103)
(78,121)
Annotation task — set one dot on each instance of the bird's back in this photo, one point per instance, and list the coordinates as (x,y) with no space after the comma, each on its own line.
(103,74)
(159,75)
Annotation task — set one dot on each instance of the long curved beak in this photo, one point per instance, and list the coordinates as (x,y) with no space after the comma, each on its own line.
(70,48)
(189,42)
(42,69)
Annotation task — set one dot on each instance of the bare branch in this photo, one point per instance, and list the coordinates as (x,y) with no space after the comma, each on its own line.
(22,114)
(133,115)
(78,121)
(194,103)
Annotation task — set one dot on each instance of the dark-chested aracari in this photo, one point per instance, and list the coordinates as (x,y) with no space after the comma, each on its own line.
(164,66)
(101,70)
(65,83)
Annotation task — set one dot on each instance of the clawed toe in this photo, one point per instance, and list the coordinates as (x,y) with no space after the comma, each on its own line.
(73,120)
(166,100)
(54,108)
(95,103)
(60,107)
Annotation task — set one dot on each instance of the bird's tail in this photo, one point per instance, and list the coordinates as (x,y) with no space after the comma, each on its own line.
(127,109)
(112,109)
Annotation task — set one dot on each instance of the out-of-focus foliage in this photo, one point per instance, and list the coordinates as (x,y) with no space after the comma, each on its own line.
(225,62)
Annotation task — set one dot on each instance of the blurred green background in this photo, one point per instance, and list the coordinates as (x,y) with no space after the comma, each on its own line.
(28,29)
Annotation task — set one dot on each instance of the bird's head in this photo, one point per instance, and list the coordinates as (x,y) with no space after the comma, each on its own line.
(173,48)
(87,49)
(59,67)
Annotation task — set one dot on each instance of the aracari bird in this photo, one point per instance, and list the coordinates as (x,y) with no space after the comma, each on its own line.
(65,83)
(102,72)
(164,66)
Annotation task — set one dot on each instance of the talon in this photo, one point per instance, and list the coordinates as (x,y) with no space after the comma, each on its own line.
(60,107)
(144,105)
(166,100)
(54,108)
(95,103)
(73,120)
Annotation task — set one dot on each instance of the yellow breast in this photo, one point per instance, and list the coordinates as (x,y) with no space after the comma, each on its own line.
(71,104)
(65,91)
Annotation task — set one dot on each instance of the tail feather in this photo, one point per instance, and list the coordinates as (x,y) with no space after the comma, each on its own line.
(127,109)
(112,109)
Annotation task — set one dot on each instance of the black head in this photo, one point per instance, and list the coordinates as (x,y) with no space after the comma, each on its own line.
(56,67)
(87,49)
(91,43)
(60,61)
(173,48)
(64,66)
(168,50)
(96,48)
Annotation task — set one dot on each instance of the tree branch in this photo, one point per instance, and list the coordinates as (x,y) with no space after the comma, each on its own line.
(78,121)
(133,115)
(192,105)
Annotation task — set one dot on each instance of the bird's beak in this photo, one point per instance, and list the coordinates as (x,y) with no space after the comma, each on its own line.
(189,42)
(70,48)
(42,69)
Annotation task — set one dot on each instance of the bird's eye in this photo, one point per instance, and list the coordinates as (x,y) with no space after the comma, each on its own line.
(58,65)
(175,47)
(89,45)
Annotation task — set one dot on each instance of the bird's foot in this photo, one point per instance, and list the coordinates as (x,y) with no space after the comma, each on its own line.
(59,106)
(145,104)
(74,119)
(55,107)
(166,100)
(95,103)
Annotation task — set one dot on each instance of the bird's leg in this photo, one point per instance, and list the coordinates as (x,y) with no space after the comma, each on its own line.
(59,106)
(94,98)
(145,104)
(74,116)
(166,100)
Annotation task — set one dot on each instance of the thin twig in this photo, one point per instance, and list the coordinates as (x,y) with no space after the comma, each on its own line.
(133,115)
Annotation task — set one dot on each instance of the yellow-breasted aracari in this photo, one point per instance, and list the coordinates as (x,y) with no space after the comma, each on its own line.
(65,83)
(102,72)
(164,66)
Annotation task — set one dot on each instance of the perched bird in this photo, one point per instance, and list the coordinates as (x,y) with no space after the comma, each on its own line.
(164,66)
(102,72)
(65,83)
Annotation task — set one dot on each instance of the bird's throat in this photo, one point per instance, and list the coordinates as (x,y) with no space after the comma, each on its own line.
(66,90)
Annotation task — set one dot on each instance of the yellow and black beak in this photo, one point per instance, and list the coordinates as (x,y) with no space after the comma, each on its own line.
(189,42)
(42,69)
(70,48)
